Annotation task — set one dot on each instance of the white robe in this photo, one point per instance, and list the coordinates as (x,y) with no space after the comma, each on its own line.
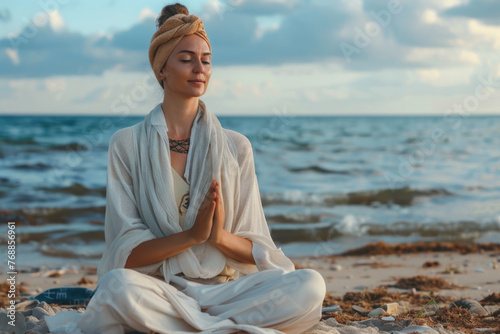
(141,206)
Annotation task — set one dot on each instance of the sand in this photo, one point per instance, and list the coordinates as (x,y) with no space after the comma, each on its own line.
(424,285)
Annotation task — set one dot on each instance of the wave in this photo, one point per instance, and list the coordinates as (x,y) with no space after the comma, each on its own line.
(352,226)
(18,141)
(40,216)
(323,170)
(76,189)
(91,250)
(36,166)
(296,217)
(60,233)
(401,196)
(70,146)
(318,169)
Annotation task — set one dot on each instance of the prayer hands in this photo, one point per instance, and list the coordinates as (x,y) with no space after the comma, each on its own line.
(202,227)
(218,222)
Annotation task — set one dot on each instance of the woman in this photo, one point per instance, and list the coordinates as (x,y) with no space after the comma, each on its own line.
(187,245)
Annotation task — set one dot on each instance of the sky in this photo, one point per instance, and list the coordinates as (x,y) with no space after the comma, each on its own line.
(270,57)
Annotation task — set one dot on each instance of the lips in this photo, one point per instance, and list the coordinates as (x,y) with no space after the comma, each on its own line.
(197,81)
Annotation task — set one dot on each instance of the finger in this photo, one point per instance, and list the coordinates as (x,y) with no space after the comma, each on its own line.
(213,204)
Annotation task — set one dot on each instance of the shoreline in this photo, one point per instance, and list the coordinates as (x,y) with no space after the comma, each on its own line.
(363,281)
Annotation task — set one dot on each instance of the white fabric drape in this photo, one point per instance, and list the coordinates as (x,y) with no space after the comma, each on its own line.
(141,205)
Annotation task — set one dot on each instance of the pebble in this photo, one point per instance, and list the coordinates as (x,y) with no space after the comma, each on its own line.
(479,270)
(388,319)
(360,309)
(419,330)
(393,308)
(336,267)
(332,309)
(85,280)
(484,329)
(54,273)
(428,313)
(26,305)
(472,305)
(376,312)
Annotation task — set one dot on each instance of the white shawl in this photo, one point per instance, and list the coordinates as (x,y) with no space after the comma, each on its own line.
(140,202)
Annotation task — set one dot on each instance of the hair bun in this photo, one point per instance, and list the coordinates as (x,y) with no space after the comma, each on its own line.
(169,11)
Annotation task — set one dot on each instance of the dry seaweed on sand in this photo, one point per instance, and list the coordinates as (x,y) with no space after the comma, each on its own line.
(382,248)
(425,283)
(431,264)
(376,264)
(492,299)
(456,319)
(380,296)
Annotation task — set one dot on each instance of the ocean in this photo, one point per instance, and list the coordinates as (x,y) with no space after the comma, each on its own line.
(328,184)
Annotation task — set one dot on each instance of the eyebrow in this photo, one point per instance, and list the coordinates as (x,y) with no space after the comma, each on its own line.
(192,52)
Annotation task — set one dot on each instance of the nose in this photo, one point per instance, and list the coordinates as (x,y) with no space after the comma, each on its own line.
(198,66)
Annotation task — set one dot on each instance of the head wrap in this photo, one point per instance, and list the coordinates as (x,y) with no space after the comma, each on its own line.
(169,35)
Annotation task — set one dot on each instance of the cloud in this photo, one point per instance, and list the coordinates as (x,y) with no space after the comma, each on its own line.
(5,15)
(222,8)
(487,11)
(42,50)
(413,24)
(12,54)
(56,21)
(297,32)
(307,33)
(263,7)
(92,96)
(488,36)
(147,14)
(138,37)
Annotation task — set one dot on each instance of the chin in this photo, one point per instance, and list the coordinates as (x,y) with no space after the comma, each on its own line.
(196,93)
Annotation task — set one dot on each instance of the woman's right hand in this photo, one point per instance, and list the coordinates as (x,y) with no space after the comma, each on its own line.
(202,227)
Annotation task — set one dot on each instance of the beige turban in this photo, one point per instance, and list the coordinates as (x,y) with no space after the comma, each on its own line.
(169,35)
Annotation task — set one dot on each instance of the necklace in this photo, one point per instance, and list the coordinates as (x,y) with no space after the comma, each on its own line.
(179,146)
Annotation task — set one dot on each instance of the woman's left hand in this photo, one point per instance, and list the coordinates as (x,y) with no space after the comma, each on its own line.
(233,246)
(219,216)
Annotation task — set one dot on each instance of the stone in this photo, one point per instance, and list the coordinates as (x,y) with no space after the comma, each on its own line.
(418,329)
(336,267)
(331,309)
(360,309)
(26,305)
(393,309)
(376,312)
(472,305)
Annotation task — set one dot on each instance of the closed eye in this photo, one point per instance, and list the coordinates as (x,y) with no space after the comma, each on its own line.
(187,61)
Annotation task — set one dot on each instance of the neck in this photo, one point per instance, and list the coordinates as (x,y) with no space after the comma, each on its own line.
(179,115)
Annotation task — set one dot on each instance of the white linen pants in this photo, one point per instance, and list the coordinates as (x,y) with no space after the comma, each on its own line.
(268,301)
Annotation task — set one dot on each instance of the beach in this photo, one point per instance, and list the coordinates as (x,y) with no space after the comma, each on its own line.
(342,195)
(422,279)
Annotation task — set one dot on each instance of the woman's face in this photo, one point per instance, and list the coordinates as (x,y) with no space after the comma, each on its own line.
(188,68)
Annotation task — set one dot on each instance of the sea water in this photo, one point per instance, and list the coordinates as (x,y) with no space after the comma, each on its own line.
(327,184)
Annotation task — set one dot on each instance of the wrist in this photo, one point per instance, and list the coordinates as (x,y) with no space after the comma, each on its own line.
(193,238)
(217,237)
